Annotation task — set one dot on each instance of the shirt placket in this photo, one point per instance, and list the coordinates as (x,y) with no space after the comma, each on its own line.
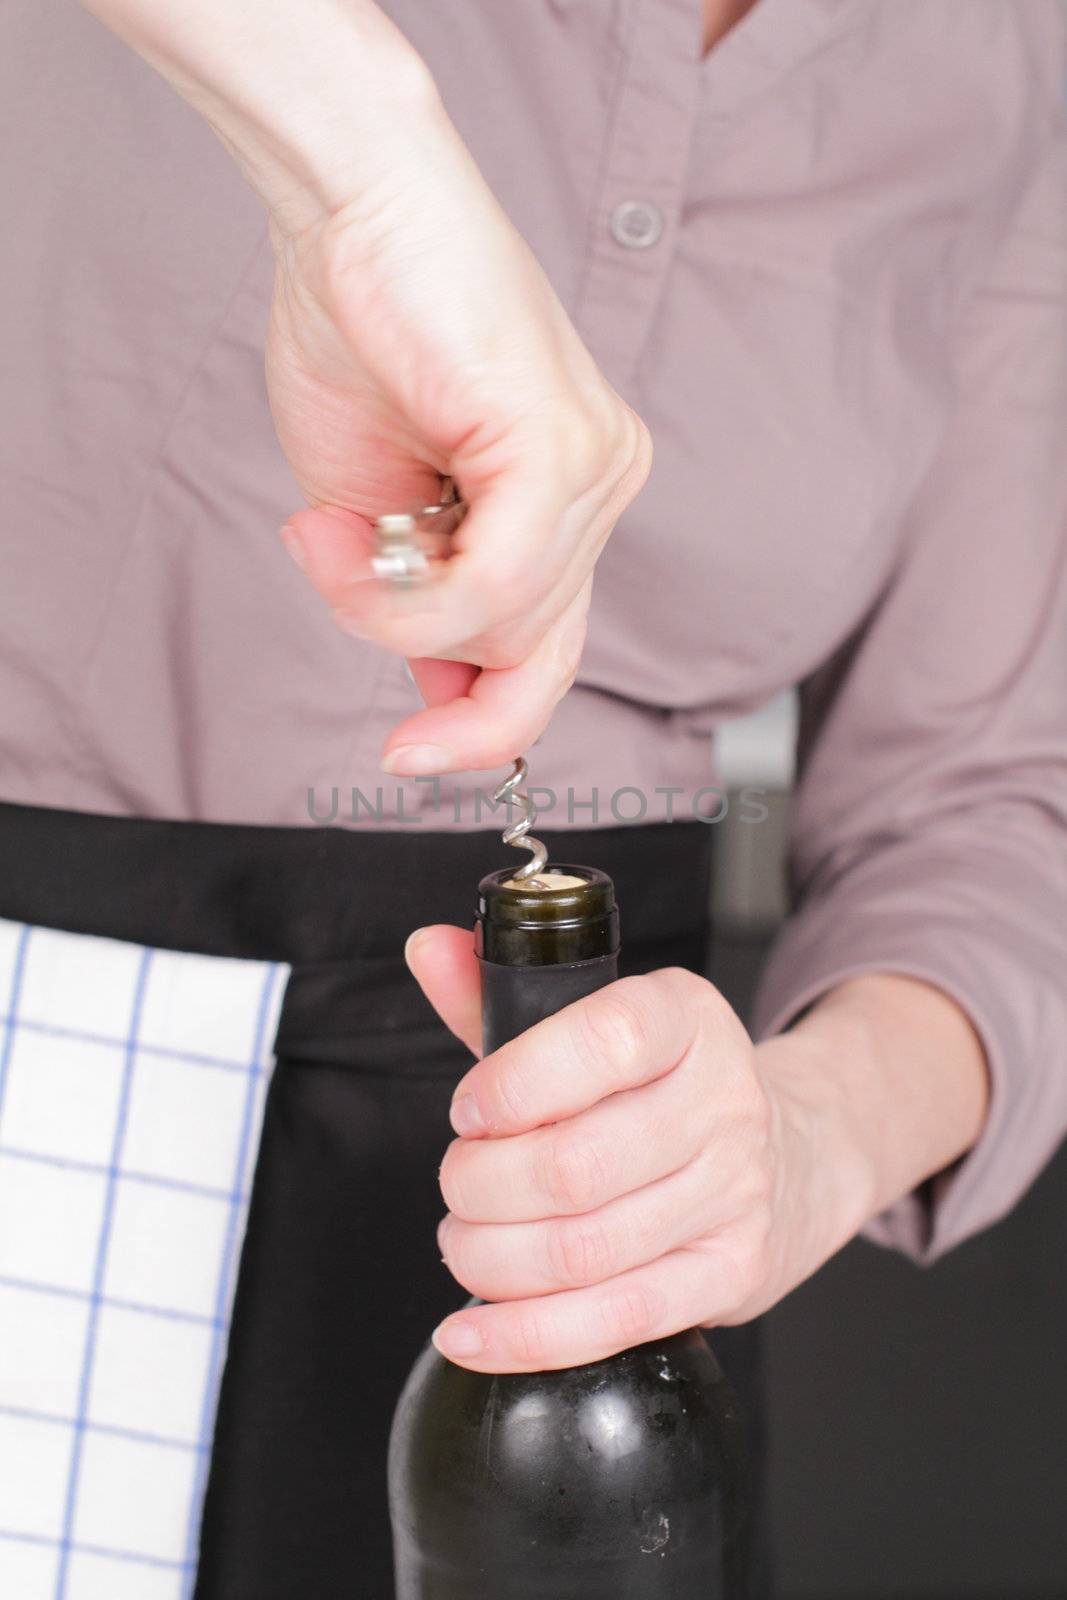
(636,211)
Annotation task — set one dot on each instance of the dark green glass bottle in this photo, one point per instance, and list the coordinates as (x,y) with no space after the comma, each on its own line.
(619,1480)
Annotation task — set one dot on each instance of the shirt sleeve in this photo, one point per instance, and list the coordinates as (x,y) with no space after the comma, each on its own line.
(929,826)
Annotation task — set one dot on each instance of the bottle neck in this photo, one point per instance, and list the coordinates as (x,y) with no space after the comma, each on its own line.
(518,926)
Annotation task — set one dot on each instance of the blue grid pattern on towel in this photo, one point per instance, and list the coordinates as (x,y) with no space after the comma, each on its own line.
(127,1139)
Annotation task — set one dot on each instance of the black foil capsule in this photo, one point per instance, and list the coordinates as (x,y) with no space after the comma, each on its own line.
(620,1480)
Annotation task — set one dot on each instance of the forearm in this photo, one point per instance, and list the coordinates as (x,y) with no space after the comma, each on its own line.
(882,1084)
(315,101)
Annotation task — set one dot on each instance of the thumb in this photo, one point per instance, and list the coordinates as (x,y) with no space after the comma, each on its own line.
(442,961)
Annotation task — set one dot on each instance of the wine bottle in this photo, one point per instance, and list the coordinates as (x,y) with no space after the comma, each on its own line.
(619,1480)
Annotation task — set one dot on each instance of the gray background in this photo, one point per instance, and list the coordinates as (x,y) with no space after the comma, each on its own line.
(919,1415)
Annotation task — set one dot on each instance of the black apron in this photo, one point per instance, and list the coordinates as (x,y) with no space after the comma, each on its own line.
(340,1280)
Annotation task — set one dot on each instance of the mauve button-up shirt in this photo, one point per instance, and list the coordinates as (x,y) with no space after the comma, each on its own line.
(827,266)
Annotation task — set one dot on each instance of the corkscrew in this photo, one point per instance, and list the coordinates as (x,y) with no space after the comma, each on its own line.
(406,551)
(518,833)
(412,543)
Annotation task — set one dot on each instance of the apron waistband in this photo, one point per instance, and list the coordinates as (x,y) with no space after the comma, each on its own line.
(309,894)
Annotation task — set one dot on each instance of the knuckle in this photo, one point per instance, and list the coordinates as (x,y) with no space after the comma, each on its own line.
(685,988)
(527,1336)
(598,439)
(581,445)
(642,449)
(629,1314)
(633,451)
(466,1262)
(613,1025)
(572,1172)
(745,1268)
(626,458)
(459,1259)
(506,1099)
(677,992)
(718,1015)
(578,1252)
(452,1179)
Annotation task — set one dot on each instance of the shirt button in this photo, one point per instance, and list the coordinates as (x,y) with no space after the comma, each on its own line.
(636,224)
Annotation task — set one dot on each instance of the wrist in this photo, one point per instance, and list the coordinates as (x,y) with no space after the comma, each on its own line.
(828,1177)
(315,103)
(882,1084)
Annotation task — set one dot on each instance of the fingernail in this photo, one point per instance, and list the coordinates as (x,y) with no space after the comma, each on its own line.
(295,546)
(416,760)
(413,942)
(443,1228)
(466,1118)
(458,1339)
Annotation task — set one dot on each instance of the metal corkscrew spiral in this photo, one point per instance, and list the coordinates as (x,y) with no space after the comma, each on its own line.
(518,833)
(406,556)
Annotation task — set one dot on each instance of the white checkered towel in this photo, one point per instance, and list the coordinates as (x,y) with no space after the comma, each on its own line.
(131,1094)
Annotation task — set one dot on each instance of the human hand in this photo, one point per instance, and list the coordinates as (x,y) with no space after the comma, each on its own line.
(412,335)
(630,1167)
